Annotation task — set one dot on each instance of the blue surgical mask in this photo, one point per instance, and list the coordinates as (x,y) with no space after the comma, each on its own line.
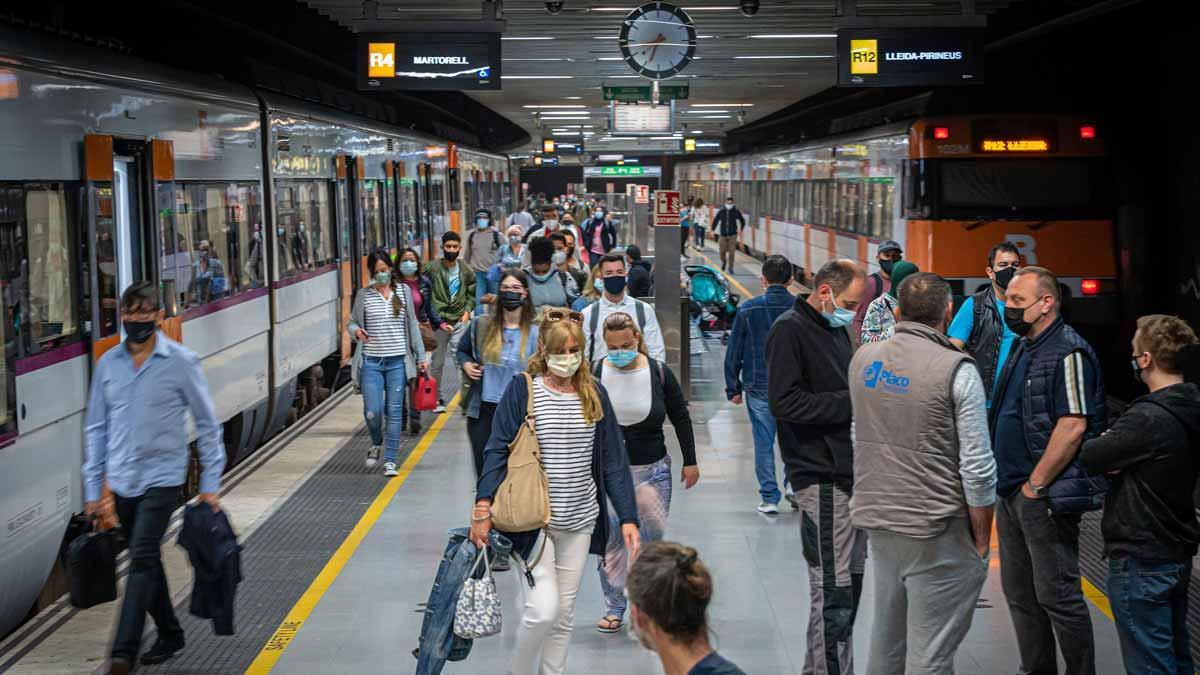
(622,357)
(383,278)
(598,284)
(542,278)
(408,267)
(840,318)
(482,223)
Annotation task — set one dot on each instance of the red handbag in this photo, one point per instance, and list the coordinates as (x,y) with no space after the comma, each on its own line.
(425,392)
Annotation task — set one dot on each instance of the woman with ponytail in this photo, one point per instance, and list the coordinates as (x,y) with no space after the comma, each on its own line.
(669,590)
(384,324)
(1150,528)
(584,458)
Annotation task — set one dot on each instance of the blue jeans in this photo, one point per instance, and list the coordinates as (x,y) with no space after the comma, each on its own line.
(482,287)
(762,424)
(652,488)
(383,390)
(1150,604)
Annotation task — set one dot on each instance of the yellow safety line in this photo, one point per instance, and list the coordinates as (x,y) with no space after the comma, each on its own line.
(300,612)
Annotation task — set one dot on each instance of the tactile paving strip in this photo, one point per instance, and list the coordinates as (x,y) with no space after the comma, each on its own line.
(281,559)
(1094,566)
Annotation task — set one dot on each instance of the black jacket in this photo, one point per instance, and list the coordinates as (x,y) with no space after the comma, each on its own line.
(645,440)
(216,560)
(1150,513)
(807,364)
(608,234)
(639,280)
(987,332)
(728,222)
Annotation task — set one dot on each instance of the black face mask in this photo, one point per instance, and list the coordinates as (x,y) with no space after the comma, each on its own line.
(1014,318)
(614,285)
(1004,276)
(511,300)
(138,332)
(450,256)
(887,265)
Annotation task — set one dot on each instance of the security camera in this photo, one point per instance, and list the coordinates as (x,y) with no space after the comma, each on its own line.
(748,7)
(556,7)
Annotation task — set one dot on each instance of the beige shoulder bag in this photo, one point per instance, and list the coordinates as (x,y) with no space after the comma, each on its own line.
(523,501)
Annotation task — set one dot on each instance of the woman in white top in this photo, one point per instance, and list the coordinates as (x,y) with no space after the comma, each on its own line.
(384,324)
(586,467)
(645,394)
(699,221)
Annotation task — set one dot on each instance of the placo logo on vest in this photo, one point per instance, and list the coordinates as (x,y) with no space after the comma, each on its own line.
(381,59)
(876,376)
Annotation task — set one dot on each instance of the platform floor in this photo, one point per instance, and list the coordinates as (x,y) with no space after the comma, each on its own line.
(357,613)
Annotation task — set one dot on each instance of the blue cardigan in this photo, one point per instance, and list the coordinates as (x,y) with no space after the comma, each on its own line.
(610,465)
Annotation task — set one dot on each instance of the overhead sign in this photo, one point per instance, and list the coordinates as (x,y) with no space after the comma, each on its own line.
(635,145)
(622,171)
(428,61)
(642,118)
(634,94)
(902,57)
(666,208)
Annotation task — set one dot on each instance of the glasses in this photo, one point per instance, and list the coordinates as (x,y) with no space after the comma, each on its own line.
(560,314)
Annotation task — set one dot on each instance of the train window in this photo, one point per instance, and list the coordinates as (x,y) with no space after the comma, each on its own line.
(51,282)
(320,230)
(304,226)
(216,248)
(372,210)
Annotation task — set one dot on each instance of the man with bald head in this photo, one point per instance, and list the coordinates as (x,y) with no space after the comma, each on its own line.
(808,356)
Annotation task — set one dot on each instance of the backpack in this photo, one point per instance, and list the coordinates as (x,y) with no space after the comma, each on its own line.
(495,240)
(878,285)
(640,312)
(522,502)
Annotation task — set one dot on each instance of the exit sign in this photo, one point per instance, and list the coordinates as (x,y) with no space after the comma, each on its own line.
(620,171)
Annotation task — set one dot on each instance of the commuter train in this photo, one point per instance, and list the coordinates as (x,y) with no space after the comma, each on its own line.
(254,212)
(946,189)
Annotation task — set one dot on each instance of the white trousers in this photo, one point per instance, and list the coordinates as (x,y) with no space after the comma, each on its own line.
(549,613)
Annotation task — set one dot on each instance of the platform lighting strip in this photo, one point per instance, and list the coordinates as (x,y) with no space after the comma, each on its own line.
(791,36)
(536,37)
(556,105)
(721,105)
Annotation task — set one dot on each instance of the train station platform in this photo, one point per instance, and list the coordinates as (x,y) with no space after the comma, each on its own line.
(338,557)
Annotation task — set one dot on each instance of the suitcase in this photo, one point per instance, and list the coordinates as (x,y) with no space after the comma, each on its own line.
(92,569)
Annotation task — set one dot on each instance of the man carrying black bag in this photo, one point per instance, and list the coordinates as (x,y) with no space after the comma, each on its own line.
(136,441)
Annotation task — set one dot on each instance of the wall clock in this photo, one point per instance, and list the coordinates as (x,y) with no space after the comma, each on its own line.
(658,40)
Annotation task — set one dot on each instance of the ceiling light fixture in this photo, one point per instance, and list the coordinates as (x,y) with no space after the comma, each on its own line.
(697,131)
(715,117)
(700,112)
(576,98)
(792,36)
(718,8)
(529,38)
(557,105)
(556,119)
(721,105)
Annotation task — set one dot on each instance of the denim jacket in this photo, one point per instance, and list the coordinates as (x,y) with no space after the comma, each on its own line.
(438,643)
(746,357)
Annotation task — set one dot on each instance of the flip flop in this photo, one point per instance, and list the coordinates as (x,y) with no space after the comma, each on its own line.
(609,624)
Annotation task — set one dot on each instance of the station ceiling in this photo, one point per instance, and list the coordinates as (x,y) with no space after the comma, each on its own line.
(752,66)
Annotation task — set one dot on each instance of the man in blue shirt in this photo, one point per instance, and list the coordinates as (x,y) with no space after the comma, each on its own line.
(137,446)
(746,359)
(979,326)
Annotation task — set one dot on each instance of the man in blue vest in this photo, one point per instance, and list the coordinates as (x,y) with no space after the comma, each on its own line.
(1049,400)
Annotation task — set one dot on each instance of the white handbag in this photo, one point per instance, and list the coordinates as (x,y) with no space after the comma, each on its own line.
(477,614)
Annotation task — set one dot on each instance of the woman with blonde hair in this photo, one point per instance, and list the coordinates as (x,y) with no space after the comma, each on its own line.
(593,289)
(584,458)
(644,393)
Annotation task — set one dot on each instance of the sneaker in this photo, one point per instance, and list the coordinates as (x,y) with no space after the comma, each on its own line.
(389,469)
(769,509)
(441,408)
(791,497)
(501,564)
(373,456)
(161,651)
(119,666)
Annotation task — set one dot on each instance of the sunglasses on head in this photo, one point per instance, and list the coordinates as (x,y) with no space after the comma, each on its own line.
(560,314)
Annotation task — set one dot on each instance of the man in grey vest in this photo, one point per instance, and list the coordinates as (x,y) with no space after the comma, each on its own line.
(924,482)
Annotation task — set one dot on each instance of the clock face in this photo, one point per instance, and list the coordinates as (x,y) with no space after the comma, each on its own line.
(658,40)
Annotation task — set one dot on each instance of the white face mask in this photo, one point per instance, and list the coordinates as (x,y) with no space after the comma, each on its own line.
(729,206)
(564,365)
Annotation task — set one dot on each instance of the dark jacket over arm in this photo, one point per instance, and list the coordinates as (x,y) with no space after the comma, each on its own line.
(677,412)
(610,464)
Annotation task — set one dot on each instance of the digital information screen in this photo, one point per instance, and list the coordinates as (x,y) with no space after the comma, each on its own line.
(902,57)
(642,118)
(428,61)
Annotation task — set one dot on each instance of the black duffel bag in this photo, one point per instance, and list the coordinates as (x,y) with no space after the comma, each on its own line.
(92,569)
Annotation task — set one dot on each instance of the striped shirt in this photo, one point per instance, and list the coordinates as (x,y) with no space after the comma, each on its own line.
(388,333)
(566,441)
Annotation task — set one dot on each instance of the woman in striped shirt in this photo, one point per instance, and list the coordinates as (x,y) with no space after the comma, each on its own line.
(384,324)
(585,462)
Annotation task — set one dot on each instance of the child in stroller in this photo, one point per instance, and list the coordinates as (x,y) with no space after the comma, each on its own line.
(711,300)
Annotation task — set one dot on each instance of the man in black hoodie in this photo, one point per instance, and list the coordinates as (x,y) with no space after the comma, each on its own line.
(1150,526)
(808,356)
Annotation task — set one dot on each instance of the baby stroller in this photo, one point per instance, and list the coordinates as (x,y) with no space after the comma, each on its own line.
(712,300)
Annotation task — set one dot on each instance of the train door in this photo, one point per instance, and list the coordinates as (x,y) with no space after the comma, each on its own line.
(131,201)
(426,190)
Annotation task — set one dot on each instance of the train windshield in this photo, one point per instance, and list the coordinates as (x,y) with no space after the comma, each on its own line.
(1019,185)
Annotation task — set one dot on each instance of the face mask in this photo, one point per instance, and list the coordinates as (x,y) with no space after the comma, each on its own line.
(511,299)
(599,215)
(514,239)
(840,317)
(1004,276)
(558,258)
(203,254)
(729,206)
(542,278)
(550,225)
(450,256)
(887,265)
(279,231)
(138,332)
(564,365)
(622,357)
(383,278)
(482,223)
(598,284)
(408,267)
(1137,370)
(614,285)
(1014,318)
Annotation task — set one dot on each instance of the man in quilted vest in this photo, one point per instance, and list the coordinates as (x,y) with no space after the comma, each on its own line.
(1049,400)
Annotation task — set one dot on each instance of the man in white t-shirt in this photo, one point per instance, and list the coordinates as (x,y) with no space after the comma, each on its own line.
(615,299)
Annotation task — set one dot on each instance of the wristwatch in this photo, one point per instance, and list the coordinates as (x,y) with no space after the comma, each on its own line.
(1039,491)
